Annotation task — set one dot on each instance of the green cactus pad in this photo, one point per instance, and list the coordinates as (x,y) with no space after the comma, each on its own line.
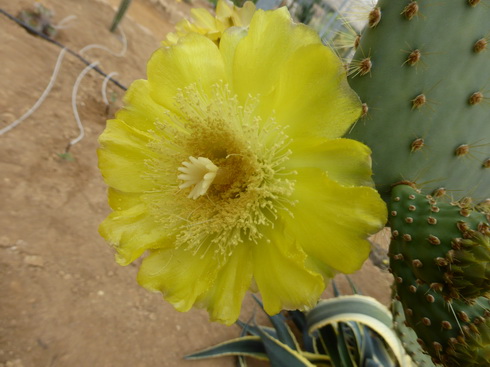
(440,258)
(408,337)
(442,242)
(453,333)
(427,95)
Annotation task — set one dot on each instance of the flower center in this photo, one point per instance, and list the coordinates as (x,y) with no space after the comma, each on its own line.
(238,181)
(199,172)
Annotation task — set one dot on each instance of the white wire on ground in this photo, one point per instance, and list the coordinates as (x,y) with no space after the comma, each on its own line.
(63,24)
(41,99)
(100,47)
(104,87)
(74,93)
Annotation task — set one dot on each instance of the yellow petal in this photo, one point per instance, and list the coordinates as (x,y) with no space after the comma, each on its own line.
(321,268)
(122,154)
(243,16)
(224,12)
(203,18)
(224,299)
(172,38)
(256,66)
(194,59)
(344,160)
(312,96)
(281,275)
(132,232)
(229,15)
(203,22)
(227,47)
(120,200)
(179,275)
(140,111)
(332,221)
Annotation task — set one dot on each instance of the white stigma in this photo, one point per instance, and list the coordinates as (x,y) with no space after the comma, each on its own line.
(199,172)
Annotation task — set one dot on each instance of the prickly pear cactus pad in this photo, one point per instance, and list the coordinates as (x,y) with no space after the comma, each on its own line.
(440,258)
(423,74)
(408,337)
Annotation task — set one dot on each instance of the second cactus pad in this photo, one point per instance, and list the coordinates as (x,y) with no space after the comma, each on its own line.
(440,258)
(423,72)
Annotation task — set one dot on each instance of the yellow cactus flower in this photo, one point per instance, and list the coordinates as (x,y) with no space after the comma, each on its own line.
(227,168)
(203,22)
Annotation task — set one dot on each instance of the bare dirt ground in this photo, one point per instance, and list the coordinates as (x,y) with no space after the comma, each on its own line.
(64,301)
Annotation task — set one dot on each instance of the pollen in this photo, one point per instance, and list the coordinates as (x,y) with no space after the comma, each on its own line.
(198,172)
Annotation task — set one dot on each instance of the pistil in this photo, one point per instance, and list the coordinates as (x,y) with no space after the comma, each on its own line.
(199,172)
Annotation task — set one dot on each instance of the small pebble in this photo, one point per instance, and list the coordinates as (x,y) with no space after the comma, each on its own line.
(34,260)
(14,363)
(4,241)
(21,243)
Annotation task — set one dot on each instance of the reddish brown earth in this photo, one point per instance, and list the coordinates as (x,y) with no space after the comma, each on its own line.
(64,301)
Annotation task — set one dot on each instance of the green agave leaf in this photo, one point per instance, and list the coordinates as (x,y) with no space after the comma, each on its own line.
(361,309)
(242,362)
(327,342)
(335,289)
(281,355)
(284,333)
(343,309)
(319,360)
(299,319)
(376,352)
(245,327)
(250,346)
(342,345)
(355,290)
(366,345)
(252,329)
(373,363)
(355,338)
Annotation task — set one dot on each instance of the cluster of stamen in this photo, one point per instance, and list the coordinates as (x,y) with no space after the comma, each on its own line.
(221,169)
